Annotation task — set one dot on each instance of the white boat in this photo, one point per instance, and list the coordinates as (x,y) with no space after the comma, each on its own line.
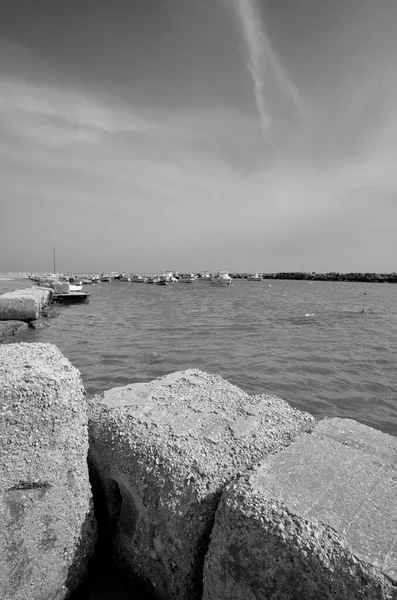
(221,278)
(204,277)
(75,288)
(187,278)
(255,277)
(169,277)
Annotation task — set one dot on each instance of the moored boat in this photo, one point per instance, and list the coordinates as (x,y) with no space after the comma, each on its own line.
(255,277)
(187,278)
(221,278)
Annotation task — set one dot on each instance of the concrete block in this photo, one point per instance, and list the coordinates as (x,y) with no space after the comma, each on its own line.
(44,295)
(317,520)
(61,287)
(160,455)
(24,305)
(10,328)
(19,307)
(47,527)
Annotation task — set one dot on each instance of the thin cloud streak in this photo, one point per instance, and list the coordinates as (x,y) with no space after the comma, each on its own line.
(71,107)
(261,59)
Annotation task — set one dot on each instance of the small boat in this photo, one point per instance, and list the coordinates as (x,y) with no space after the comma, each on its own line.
(255,277)
(221,278)
(169,277)
(160,282)
(138,279)
(75,288)
(72,297)
(204,277)
(187,278)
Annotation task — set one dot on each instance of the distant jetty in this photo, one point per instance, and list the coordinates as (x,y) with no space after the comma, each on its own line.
(332,276)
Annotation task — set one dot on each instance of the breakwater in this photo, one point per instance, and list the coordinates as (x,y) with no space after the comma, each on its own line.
(334,276)
(200,489)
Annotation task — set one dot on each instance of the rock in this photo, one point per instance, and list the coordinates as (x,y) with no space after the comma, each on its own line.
(24,305)
(160,455)
(50,312)
(317,520)
(10,328)
(59,287)
(47,525)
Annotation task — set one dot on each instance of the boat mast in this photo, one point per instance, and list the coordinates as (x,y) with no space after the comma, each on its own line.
(53,255)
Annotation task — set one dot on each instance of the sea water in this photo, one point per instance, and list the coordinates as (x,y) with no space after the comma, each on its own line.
(326,347)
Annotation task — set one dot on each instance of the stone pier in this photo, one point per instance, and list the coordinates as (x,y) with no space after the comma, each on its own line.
(201,490)
(47,525)
(24,305)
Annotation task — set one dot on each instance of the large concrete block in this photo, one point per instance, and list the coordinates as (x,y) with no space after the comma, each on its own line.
(24,305)
(45,296)
(59,287)
(317,520)
(47,526)
(161,453)
(19,307)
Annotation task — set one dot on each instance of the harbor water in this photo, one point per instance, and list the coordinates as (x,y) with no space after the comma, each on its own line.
(325,347)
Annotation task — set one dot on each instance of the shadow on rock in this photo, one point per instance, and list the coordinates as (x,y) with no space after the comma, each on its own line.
(106,582)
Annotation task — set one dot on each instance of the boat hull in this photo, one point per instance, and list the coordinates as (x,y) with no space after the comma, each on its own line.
(72,298)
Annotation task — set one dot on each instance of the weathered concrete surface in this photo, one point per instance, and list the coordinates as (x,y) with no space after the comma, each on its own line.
(10,328)
(24,305)
(59,287)
(161,453)
(318,520)
(47,526)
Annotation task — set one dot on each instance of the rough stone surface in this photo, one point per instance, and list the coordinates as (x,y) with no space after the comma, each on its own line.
(59,287)
(24,305)
(47,526)
(161,453)
(318,520)
(10,328)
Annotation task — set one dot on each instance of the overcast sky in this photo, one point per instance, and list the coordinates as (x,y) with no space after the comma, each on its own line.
(250,135)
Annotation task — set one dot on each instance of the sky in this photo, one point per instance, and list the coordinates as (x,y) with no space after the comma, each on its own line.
(249,135)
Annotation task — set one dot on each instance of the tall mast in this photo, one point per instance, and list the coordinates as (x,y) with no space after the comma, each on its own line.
(53,254)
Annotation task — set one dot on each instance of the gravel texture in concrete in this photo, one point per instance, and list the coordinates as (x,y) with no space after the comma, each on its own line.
(47,525)
(161,453)
(316,521)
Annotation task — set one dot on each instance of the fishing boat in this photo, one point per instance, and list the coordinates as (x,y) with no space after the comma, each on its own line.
(187,278)
(221,278)
(204,277)
(255,277)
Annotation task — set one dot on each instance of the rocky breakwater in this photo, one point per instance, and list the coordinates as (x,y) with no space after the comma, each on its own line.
(22,307)
(47,526)
(317,520)
(161,454)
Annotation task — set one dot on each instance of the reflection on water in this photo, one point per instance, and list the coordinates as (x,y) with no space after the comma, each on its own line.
(311,344)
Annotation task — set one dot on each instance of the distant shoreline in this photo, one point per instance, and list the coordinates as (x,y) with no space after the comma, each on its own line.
(286,275)
(334,276)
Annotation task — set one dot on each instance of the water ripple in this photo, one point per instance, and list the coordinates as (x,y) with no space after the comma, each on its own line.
(310,344)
